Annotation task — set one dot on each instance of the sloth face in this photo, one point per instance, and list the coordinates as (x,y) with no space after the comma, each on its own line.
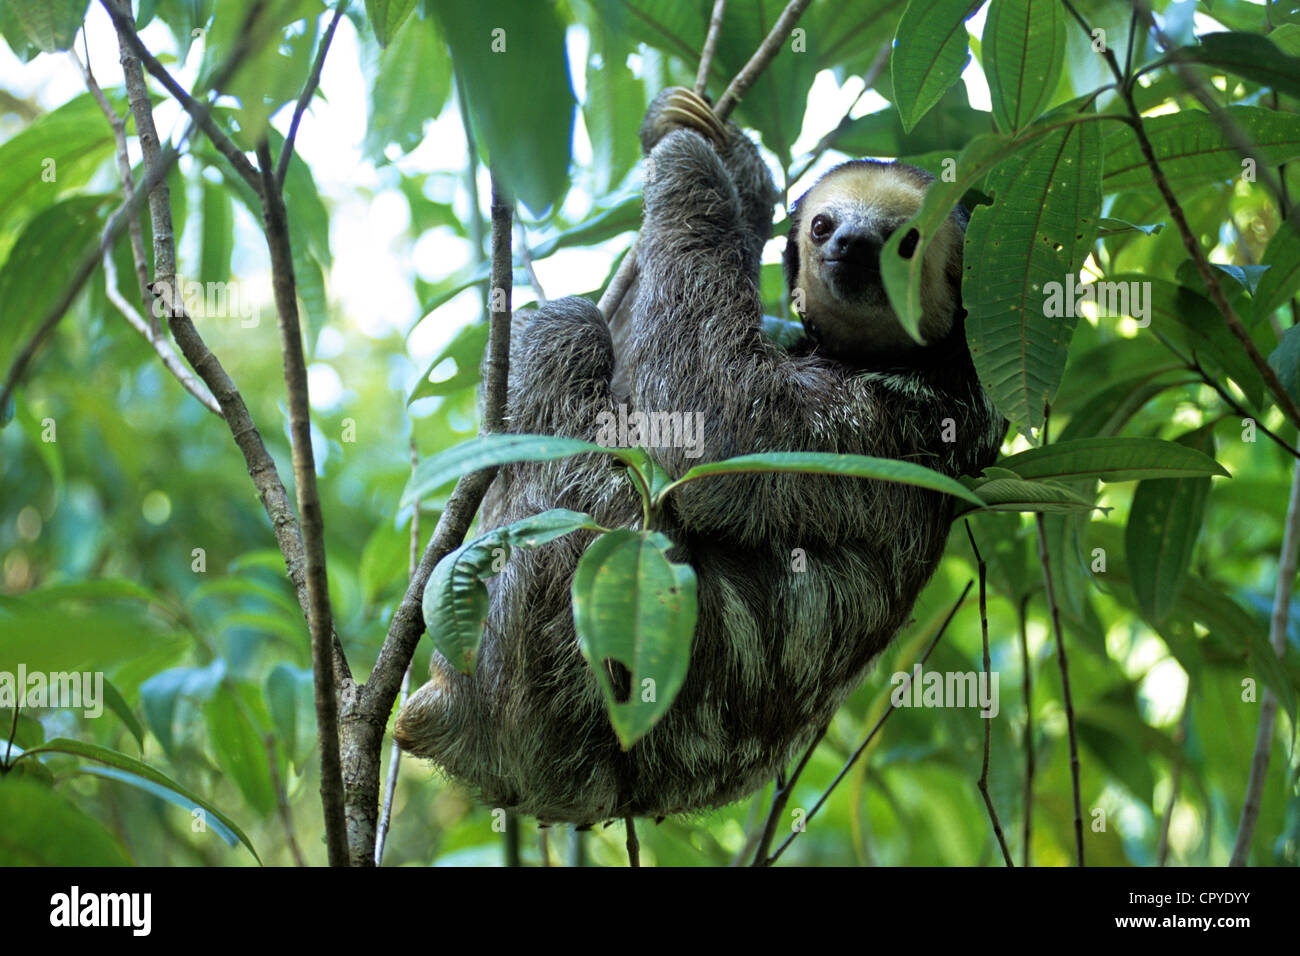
(833,253)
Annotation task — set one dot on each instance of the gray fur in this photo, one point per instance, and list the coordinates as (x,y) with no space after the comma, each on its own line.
(775,651)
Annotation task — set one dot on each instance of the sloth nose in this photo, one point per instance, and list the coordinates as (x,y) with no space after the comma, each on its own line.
(854,245)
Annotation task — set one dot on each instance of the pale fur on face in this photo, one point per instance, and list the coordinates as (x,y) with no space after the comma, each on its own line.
(878,198)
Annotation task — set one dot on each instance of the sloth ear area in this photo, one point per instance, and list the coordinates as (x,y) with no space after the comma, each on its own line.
(790,258)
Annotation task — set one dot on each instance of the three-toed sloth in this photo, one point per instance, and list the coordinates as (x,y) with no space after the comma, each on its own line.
(802,579)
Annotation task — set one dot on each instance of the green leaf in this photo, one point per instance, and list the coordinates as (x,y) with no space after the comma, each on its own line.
(946,128)
(1285,361)
(456,602)
(634,606)
(1282,280)
(487,451)
(44,828)
(500,48)
(163,793)
(1113,459)
(1016,494)
(160,695)
(1024,52)
(616,100)
(931,48)
(218,234)
(411,85)
(1032,239)
(51,24)
(1193,149)
(818,463)
(56,238)
(121,761)
(1121,756)
(240,749)
(1163,524)
(1247,55)
(465,353)
(387,16)
(281,693)
(115,702)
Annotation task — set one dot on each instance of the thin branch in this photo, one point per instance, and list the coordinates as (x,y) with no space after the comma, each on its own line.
(780,796)
(171,361)
(366,731)
(526,260)
(868,81)
(1064,663)
(1195,365)
(765,54)
(1027,679)
(308,91)
(395,754)
(952,612)
(310,516)
(710,47)
(617,289)
(282,801)
(1286,569)
(988,721)
(125,24)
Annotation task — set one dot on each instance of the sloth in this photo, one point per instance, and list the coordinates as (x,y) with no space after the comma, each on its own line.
(802,579)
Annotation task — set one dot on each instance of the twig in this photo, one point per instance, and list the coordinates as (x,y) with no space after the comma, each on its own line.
(365,732)
(874,730)
(710,47)
(308,91)
(1064,663)
(526,260)
(1286,569)
(780,796)
(765,54)
(1190,242)
(988,721)
(282,801)
(1180,736)
(395,753)
(125,24)
(771,45)
(310,517)
(633,845)
(1027,681)
(868,81)
(1195,365)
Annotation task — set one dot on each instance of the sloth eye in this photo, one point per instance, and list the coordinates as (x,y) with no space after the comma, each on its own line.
(822,227)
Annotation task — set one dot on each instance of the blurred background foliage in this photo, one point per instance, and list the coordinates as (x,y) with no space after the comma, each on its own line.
(113,478)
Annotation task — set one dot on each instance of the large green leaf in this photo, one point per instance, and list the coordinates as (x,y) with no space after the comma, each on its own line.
(1282,280)
(218,234)
(1285,360)
(456,602)
(44,828)
(485,452)
(465,353)
(112,758)
(1023,46)
(1032,239)
(51,24)
(411,86)
(387,17)
(931,48)
(817,463)
(1192,147)
(1247,55)
(1164,522)
(241,749)
(1112,459)
(501,48)
(634,606)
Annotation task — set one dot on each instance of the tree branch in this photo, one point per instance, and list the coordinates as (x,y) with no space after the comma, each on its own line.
(952,612)
(710,46)
(125,24)
(312,520)
(308,91)
(1286,569)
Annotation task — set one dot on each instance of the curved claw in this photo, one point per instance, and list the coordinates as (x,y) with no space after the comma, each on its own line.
(685,108)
